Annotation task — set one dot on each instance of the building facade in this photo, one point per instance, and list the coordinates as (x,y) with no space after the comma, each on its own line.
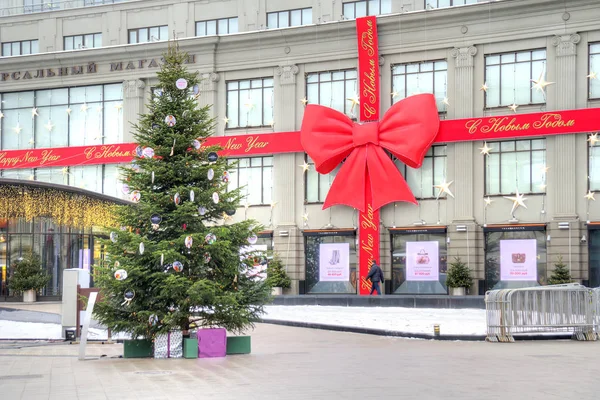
(88,68)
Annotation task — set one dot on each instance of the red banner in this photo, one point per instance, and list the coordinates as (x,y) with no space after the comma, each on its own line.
(368,68)
(368,74)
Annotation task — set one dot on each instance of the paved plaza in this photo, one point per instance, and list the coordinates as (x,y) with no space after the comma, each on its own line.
(299,363)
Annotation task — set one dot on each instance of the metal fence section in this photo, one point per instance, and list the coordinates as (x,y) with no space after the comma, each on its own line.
(571,308)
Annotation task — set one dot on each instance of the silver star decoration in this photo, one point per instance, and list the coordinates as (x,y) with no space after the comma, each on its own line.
(590,195)
(304,167)
(68,110)
(84,108)
(34,112)
(518,201)
(119,106)
(17,129)
(49,126)
(485,149)
(444,187)
(488,201)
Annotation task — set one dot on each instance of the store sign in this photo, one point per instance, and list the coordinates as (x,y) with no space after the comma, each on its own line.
(422,261)
(518,260)
(89,68)
(334,262)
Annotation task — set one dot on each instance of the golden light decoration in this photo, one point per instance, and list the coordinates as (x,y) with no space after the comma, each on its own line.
(63,207)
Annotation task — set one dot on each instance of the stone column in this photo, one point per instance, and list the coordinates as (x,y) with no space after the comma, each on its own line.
(133,103)
(466,245)
(286,171)
(562,149)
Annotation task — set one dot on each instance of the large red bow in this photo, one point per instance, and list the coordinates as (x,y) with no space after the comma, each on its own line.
(407,130)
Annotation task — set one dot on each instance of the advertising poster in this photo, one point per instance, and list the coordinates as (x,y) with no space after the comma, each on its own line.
(334,262)
(259,269)
(518,260)
(422,261)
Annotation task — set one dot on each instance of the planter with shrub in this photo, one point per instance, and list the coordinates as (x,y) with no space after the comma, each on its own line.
(28,277)
(459,277)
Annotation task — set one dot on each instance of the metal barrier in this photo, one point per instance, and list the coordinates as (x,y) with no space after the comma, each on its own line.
(553,309)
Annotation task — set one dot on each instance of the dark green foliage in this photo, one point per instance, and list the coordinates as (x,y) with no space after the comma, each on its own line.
(276,275)
(561,273)
(459,274)
(208,292)
(28,274)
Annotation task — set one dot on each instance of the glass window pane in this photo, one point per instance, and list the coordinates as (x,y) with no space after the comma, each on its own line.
(211,27)
(272,20)
(154,34)
(349,10)
(386,6)
(361,9)
(200,28)
(223,27)
(133,37)
(233,25)
(26,47)
(6,50)
(307,16)
(284,19)
(77,42)
(35,49)
(143,35)
(98,40)
(16,49)
(296,18)
(164,32)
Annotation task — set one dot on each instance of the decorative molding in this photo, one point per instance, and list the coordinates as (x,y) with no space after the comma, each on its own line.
(208,81)
(566,45)
(464,56)
(287,74)
(133,88)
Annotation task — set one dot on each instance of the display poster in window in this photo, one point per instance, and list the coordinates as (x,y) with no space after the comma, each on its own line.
(518,260)
(422,261)
(334,262)
(258,257)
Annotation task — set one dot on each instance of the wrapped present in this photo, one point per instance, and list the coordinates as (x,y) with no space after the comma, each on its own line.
(168,345)
(212,342)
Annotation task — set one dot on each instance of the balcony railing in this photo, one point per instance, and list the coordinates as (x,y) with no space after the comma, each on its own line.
(38,6)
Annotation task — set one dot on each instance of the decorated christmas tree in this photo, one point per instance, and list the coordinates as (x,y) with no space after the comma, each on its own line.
(174,262)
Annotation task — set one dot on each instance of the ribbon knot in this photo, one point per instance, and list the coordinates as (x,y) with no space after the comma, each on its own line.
(365,133)
(407,130)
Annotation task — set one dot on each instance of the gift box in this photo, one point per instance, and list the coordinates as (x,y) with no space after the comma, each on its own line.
(168,345)
(190,348)
(238,345)
(139,348)
(212,343)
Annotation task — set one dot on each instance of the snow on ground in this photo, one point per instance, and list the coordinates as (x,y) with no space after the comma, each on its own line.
(409,320)
(35,330)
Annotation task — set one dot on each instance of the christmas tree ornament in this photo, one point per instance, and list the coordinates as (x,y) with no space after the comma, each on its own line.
(120,274)
(207,258)
(188,242)
(129,295)
(155,126)
(125,188)
(155,227)
(135,196)
(170,121)
(153,320)
(212,156)
(184,226)
(185,114)
(210,174)
(225,177)
(135,167)
(173,148)
(230,212)
(168,267)
(117,265)
(142,248)
(177,266)
(148,152)
(192,196)
(215,197)
(196,144)
(202,210)
(156,219)
(196,90)
(181,83)
(162,259)
(139,151)
(253,239)
(114,237)
(152,176)
(177,199)
(210,238)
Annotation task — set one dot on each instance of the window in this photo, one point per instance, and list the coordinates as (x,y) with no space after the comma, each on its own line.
(145,35)
(594,69)
(358,9)
(424,77)
(250,103)
(333,89)
(217,27)
(31,6)
(254,176)
(77,42)
(20,48)
(594,167)
(447,3)
(283,19)
(516,164)
(100,2)
(432,172)
(508,77)
(317,185)
(86,115)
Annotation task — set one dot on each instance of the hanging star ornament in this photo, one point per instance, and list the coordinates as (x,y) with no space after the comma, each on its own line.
(590,196)
(34,112)
(593,75)
(119,106)
(545,169)
(518,201)
(1,115)
(444,187)
(304,167)
(68,110)
(488,201)
(394,94)
(354,100)
(540,83)
(304,101)
(49,126)
(65,170)
(31,141)
(593,139)
(247,205)
(99,109)
(273,204)
(226,120)
(305,216)
(17,129)
(484,87)
(84,108)
(513,107)
(445,101)
(485,149)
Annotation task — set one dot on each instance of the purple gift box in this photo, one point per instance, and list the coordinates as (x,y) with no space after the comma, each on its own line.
(212,342)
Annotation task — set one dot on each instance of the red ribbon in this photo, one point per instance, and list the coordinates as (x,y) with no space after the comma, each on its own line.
(407,130)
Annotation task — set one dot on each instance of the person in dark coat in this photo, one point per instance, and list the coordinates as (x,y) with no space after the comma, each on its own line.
(376,276)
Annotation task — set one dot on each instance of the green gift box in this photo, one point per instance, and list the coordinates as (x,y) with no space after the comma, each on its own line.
(139,348)
(238,345)
(190,348)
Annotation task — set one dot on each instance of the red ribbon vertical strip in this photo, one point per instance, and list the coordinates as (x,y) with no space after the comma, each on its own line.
(368,82)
